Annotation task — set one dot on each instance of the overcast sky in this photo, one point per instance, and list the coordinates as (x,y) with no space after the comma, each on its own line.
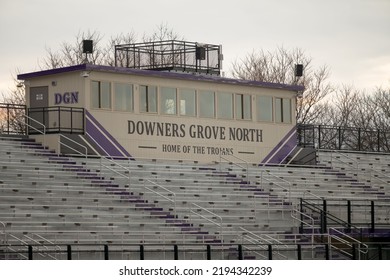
(352,37)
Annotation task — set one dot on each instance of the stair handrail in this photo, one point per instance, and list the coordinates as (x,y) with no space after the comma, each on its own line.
(207,219)
(4,231)
(362,247)
(253,241)
(57,247)
(34,128)
(277,184)
(22,242)
(345,156)
(235,163)
(116,163)
(163,196)
(311,224)
(311,194)
(44,246)
(69,147)
(255,237)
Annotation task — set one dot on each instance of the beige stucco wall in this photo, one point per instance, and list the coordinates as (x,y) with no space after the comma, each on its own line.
(178,140)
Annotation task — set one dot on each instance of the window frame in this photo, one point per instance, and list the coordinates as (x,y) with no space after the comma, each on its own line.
(146,108)
(131,109)
(100,95)
(243,110)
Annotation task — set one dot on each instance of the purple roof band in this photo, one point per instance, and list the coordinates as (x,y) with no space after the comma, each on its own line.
(154,73)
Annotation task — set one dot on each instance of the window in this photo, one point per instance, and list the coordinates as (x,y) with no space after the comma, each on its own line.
(283,110)
(264,108)
(225,105)
(286,103)
(123,97)
(101,95)
(243,107)
(168,101)
(148,99)
(187,102)
(206,104)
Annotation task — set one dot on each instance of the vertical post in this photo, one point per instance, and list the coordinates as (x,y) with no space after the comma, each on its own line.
(69,252)
(106,257)
(8,119)
(301,215)
(349,214)
(240,255)
(175,252)
(270,252)
(327,255)
(299,251)
(339,137)
(359,139)
(380,256)
(319,137)
(353,251)
(71,119)
(324,210)
(141,252)
(30,252)
(208,252)
(372,216)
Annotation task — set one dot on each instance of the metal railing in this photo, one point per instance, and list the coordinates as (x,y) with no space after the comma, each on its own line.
(163,196)
(60,143)
(220,224)
(236,164)
(346,244)
(43,132)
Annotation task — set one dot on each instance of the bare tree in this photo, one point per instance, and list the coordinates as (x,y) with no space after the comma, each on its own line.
(72,53)
(109,50)
(12,109)
(279,67)
(162,32)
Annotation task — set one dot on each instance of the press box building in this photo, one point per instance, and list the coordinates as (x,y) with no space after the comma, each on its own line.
(163,100)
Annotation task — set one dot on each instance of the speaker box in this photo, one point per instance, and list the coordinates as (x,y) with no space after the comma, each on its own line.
(298,70)
(87,46)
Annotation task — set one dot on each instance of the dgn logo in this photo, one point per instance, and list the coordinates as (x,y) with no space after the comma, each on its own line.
(66,98)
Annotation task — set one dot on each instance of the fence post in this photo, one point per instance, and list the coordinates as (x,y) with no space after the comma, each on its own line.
(349,214)
(340,140)
(175,252)
(353,251)
(240,255)
(30,252)
(106,257)
(359,139)
(372,216)
(69,252)
(299,251)
(301,215)
(270,252)
(324,223)
(141,252)
(327,255)
(380,257)
(208,252)
(319,137)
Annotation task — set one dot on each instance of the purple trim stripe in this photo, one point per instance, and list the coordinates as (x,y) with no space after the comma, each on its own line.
(287,148)
(104,138)
(153,73)
(279,145)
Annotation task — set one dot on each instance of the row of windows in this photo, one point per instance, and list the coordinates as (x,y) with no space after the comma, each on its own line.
(190,102)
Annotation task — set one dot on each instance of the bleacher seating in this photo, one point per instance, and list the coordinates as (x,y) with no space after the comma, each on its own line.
(77,200)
